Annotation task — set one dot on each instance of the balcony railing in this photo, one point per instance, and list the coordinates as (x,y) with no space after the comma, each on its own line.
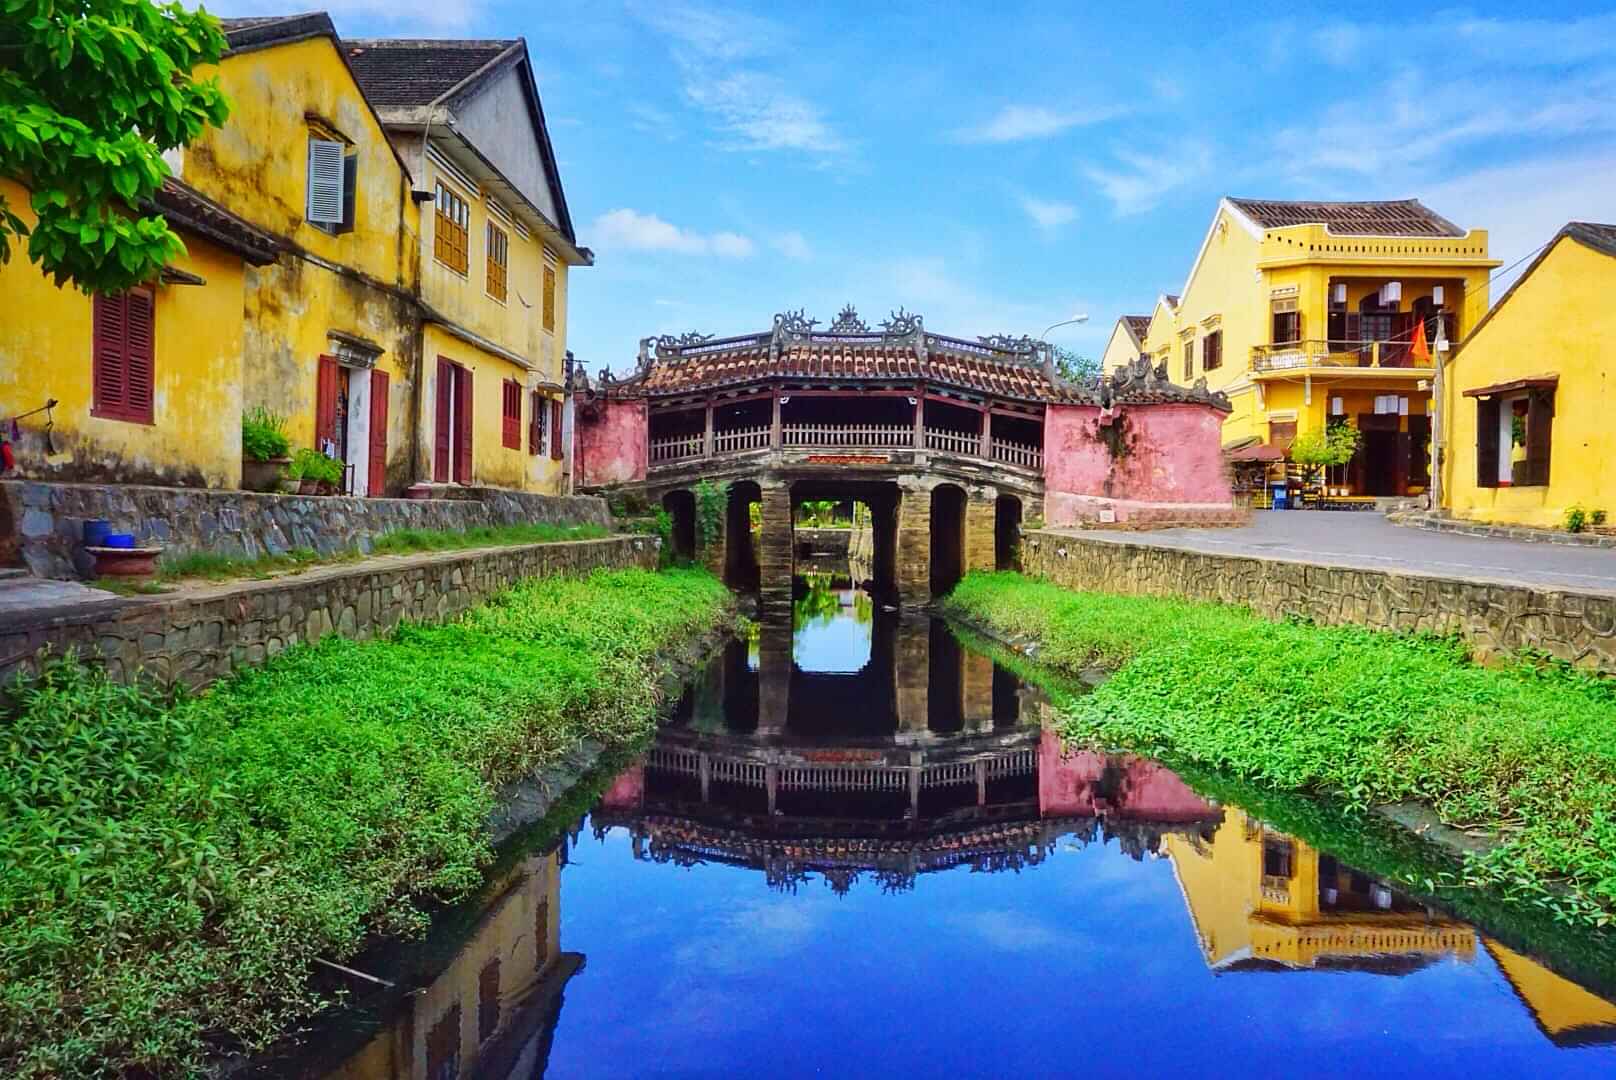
(953,442)
(733,442)
(1028,457)
(1342,354)
(682,448)
(677,448)
(847,435)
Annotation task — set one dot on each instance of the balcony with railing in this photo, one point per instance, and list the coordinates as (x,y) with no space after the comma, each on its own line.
(1359,341)
(681,449)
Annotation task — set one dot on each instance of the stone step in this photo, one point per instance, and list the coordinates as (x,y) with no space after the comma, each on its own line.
(9,572)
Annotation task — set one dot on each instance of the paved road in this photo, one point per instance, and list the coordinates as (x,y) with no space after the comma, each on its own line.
(1368,541)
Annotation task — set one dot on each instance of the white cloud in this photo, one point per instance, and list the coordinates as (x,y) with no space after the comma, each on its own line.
(1145,179)
(756,110)
(1338,43)
(793,245)
(1524,204)
(1012,931)
(630,230)
(1048,216)
(760,114)
(1015,123)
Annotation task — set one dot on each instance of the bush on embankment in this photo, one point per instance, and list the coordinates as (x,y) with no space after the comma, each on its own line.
(1527,751)
(173,865)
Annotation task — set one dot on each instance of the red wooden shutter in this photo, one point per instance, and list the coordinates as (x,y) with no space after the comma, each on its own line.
(440,433)
(107,354)
(1539,425)
(376,486)
(325,404)
(462,426)
(555,430)
(139,351)
(1487,443)
(511,414)
(535,423)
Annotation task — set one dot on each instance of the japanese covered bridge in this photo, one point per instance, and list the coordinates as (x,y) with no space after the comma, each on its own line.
(949,442)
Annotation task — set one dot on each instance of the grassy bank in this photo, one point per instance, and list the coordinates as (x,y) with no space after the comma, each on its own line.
(1527,753)
(208,566)
(174,865)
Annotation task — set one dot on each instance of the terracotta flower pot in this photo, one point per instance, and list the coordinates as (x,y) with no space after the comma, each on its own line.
(308,487)
(262,475)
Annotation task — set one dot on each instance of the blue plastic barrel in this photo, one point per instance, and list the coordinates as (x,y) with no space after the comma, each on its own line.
(96,531)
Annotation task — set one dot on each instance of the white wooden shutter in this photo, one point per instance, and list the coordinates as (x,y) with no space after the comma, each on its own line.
(325,182)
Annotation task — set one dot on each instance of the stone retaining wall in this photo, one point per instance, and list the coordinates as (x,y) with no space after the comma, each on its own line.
(1496,619)
(823,541)
(1598,537)
(207,632)
(47,520)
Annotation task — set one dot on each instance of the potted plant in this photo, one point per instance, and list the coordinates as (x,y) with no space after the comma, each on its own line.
(264,449)
(1317,450)
(308,467)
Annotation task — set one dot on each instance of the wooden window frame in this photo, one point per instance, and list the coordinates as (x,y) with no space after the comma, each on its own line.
(1189,359)
(497,248)
(117,359)
(1212,351)
(535,423)
(451,228)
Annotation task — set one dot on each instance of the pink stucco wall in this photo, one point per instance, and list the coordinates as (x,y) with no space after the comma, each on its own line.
(611,443)
(1139,461)
(627,791)
(1073,783)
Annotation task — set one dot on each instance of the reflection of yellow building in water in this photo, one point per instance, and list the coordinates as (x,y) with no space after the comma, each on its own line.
(1564,1011)
(1260,899)
(1264,901)
(495,1004)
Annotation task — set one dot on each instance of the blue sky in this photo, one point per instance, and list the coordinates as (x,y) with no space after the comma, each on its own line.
(1000,166)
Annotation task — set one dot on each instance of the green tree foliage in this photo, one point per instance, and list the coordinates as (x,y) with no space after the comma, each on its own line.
(1314,450)
(91,94)
(1074,367)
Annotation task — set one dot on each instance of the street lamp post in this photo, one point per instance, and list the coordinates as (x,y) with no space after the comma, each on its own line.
(1064,322)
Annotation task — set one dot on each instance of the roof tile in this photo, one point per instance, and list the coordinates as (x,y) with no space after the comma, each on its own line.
(1402,217)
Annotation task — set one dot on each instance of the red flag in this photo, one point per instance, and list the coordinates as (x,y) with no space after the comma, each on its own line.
(1421,352)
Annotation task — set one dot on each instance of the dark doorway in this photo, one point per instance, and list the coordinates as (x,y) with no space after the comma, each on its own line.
(947,537)
(681,507)
(740,548)
(1006,531)
(1383,471)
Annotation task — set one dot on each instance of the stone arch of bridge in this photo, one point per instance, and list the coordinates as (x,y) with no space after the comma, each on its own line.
(1007,515)
(680,505)
(947,529)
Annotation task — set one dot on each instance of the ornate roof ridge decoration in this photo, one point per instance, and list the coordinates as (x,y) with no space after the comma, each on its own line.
(670,345)
(1139,381)
(901,324)
(847,321)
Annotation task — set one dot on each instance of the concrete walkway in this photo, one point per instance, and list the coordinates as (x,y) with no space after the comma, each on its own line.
(24,598)
(1367,541)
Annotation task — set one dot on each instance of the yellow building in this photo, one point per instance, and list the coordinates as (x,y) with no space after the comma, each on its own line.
(1566,1013)
(147,384)
(1304,314)
(1126,343)
(484,1007)
(1528,396)
(1260,899)
(497,243)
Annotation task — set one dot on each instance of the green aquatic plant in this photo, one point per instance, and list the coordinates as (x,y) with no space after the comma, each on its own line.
(175,864)
(1523,753)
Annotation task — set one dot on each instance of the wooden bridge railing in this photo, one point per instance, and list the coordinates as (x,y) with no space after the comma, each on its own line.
(681,448)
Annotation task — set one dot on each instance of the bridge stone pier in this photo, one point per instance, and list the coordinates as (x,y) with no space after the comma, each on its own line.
(950,443)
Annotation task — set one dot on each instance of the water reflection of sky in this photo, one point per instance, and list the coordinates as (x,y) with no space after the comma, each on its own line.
(833,627)
(1086,964)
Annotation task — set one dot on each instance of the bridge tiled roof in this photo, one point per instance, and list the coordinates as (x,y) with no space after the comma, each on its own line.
(900,352)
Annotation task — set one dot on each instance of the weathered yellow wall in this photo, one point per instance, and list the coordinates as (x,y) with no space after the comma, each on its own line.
(1560,320)
(1119,349)
(45,333)
(359,283)
(492,464)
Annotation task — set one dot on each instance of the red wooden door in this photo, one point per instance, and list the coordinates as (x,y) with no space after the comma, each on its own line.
(445,411)
(376,486)
(325,405)
(462,464)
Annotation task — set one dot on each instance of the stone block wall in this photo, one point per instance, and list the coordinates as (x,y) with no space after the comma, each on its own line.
(979,527)
(1496,619)
(205,634)
(48,519)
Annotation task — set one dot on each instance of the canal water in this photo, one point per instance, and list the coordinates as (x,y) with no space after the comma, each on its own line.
(857,850)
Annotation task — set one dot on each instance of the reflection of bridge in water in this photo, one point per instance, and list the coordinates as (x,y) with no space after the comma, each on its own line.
(903,754)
